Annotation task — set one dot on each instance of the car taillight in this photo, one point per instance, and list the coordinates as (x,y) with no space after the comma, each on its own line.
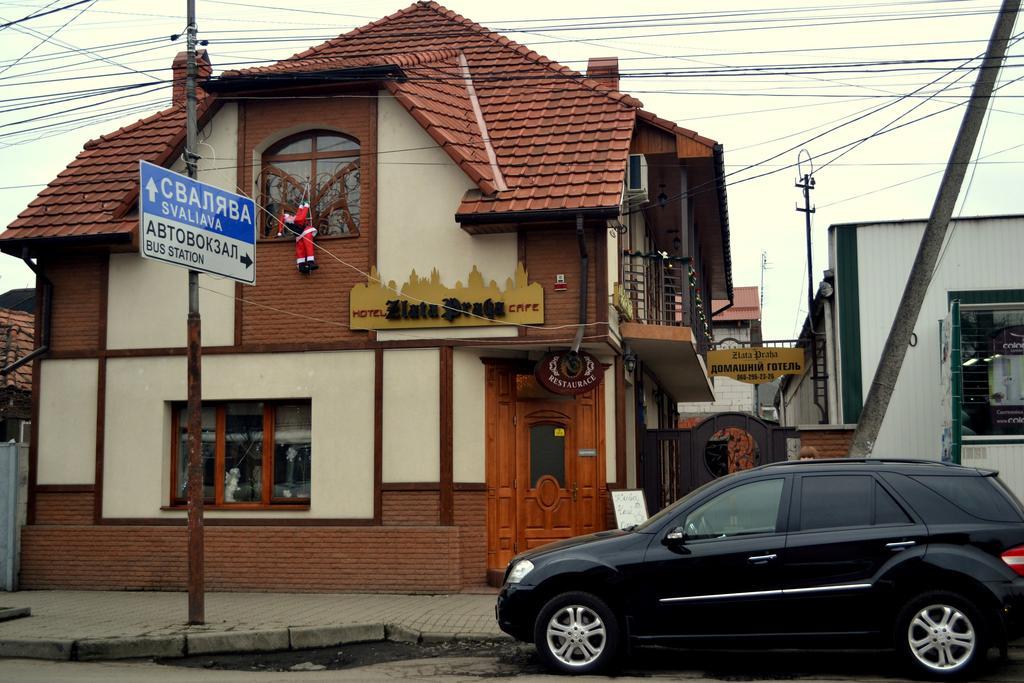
(1014,559)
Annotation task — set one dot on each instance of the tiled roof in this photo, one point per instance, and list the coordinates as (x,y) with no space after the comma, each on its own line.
(560,140)
(539,136)
(746,305)
(16,332)
(91,196)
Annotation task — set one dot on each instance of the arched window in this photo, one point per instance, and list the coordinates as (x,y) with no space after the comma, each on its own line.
(321,167)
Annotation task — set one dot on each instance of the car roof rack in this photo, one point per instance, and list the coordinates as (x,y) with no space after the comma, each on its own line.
(898,461)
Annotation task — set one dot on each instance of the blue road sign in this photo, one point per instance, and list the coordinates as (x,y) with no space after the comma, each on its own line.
(195,225)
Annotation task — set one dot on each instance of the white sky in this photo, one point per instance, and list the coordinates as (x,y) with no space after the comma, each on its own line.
(755,116)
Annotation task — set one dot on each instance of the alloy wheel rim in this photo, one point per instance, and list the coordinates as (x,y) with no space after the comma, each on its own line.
(941,637)
(576,635)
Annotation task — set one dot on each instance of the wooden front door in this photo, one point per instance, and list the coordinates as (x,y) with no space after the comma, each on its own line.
(545,466)
(545,472)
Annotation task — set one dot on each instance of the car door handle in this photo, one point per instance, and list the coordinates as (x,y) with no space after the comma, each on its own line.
(900,545)
(761,559)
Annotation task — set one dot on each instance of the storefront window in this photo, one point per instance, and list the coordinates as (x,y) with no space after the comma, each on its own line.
(318,167)
(292,448)
(243,443)
(992,343)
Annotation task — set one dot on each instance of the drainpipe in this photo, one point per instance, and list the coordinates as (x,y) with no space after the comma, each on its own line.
(44,323)
(584,283)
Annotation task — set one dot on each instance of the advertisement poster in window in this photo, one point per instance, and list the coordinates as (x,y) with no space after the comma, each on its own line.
(1006,377)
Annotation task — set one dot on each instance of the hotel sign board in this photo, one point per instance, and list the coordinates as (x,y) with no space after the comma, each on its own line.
(195,225)
(756,365)
(425,302)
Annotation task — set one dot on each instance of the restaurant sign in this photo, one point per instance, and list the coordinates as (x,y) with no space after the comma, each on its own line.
(565,372)
(756,365)
(425,302)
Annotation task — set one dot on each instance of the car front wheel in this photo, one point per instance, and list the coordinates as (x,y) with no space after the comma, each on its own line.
(576,633)
(941,635)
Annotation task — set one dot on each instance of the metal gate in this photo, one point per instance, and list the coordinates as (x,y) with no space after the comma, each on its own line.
(674,462)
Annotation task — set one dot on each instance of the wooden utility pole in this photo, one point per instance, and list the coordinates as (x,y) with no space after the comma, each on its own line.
(895,349)
(196,579)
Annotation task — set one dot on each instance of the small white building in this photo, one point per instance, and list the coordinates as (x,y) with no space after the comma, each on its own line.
(733,325)
(960,393)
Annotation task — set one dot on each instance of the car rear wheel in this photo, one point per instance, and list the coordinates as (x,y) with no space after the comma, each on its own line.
(941,635)
(576,633)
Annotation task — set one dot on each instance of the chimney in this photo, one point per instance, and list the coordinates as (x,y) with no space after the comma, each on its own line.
(179,67)
(604,70)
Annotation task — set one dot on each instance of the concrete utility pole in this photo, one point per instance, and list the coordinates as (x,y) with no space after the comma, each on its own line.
(896,344)
(196,579)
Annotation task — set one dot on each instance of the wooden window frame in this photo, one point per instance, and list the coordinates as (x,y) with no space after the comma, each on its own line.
(268,501)
(268,158)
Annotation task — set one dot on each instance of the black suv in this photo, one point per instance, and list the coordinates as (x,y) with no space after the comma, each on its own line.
(919,556)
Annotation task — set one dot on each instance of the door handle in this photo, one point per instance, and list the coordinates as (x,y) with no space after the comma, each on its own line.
(900,545)
(575,489)
(762,559)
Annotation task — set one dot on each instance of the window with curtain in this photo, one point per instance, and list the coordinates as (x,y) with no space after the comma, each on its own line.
(321,167)
(254,453)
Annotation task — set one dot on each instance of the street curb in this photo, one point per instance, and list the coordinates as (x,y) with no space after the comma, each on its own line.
(129,648)
(303,637)
(221,642)
(236,641)
(59,650)
(8,613)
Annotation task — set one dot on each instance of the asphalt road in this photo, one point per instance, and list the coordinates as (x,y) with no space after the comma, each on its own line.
(647,665)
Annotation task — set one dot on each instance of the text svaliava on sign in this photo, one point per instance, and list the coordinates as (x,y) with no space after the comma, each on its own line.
(425,302)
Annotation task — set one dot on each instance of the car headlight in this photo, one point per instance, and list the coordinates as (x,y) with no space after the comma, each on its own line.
(519,570)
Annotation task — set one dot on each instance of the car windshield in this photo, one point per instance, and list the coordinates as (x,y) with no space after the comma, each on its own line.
(651,521)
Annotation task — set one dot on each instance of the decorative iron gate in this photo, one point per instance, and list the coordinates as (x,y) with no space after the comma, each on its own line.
(676,461)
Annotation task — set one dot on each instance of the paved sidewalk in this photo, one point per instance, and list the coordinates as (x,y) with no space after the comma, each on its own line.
(109,625)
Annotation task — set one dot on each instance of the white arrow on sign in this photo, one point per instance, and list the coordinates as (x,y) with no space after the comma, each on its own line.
(151,189)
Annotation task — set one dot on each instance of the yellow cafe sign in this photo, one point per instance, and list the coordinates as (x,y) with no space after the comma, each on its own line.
(424,302)
(756,365)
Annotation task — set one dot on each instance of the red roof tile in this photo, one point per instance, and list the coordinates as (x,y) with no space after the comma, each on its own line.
(91,195)
(746,305)
(542,137)
(18,329)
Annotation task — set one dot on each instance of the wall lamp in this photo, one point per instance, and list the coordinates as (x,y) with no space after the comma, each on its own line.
(629,360)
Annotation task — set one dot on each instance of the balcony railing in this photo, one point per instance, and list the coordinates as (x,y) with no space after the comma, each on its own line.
(659,289)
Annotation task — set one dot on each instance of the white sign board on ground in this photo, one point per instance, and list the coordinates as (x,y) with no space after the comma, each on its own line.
(630,507)
(195,225)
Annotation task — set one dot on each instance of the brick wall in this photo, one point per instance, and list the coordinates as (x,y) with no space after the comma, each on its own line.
(410,508)
(553,251)
(831,443)
(63,550)
(471,520)
(279,285)
(64,508)
(79,284)
(250,558)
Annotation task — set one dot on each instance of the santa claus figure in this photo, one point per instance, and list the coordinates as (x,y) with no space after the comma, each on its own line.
(305,261)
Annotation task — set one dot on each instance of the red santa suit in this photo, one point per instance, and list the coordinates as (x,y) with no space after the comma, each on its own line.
(305,261)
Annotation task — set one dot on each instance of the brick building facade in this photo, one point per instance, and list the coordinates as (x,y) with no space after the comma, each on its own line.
(343,449)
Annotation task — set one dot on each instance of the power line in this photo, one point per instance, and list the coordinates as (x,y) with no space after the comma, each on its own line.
(47,38)
(43,14)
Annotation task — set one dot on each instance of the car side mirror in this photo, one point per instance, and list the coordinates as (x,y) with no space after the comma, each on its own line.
(675,536)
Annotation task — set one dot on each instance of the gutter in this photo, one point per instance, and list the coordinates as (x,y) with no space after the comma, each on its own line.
(44,323)
(584,282)
(718,154)
(13,244)
(536,216)
(723,308)
(225,84)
